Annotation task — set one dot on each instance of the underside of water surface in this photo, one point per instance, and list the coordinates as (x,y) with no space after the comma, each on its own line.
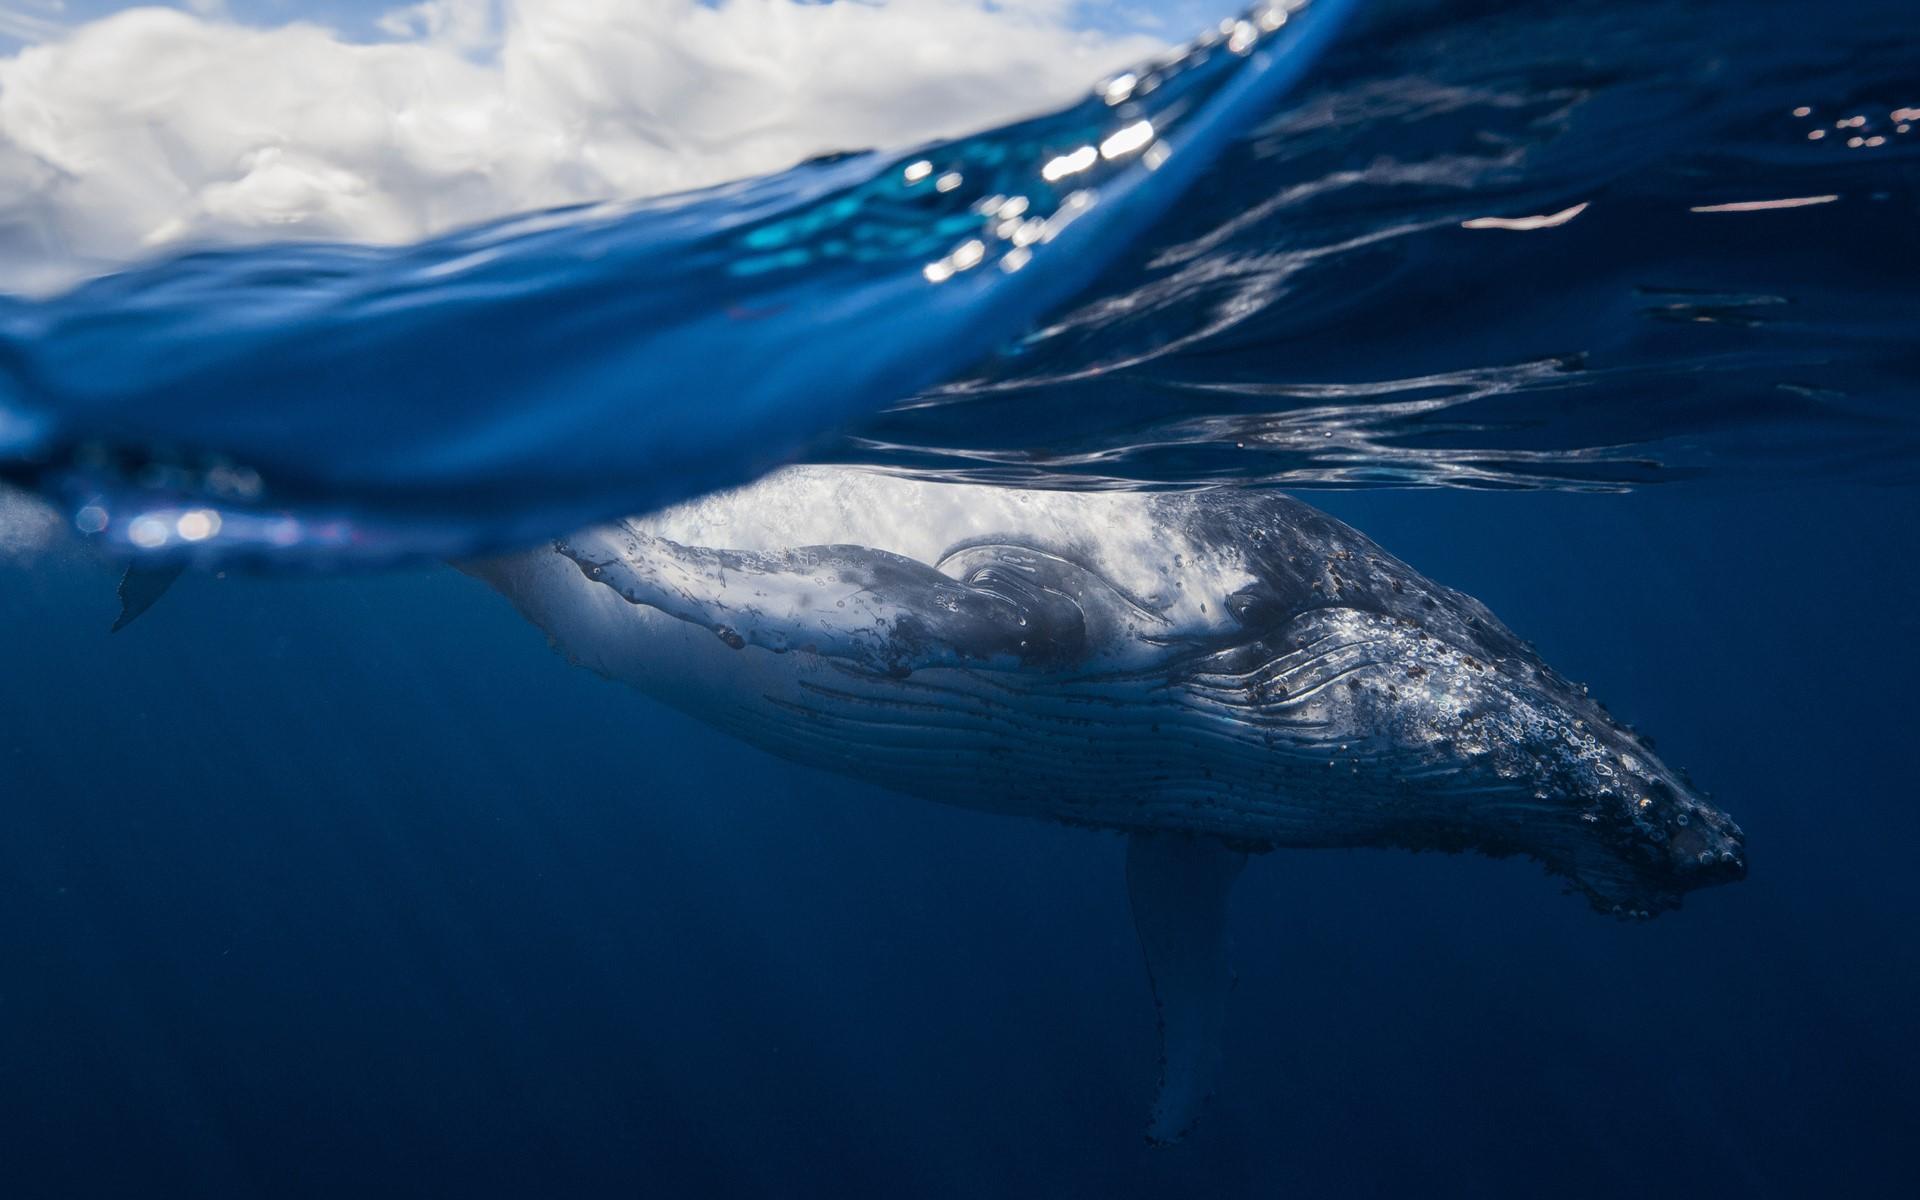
(1583,246)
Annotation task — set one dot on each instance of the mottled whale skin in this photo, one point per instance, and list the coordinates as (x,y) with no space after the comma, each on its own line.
(1212,673)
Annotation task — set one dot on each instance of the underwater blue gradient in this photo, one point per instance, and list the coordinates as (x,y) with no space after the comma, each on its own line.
(350,885)
(324,885)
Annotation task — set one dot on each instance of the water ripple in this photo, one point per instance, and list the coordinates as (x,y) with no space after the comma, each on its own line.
(1507,245)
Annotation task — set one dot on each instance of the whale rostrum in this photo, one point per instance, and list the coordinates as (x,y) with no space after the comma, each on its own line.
(1211,673)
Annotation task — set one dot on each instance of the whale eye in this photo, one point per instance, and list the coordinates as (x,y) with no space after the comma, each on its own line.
(1255,608)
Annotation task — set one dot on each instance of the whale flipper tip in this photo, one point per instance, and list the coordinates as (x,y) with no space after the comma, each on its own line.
(140,588)
(1178,886)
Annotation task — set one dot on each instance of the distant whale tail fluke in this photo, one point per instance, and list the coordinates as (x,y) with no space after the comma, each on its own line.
(141,588)
(1178,886)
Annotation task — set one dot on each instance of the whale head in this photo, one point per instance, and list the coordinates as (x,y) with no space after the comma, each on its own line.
(1449,732)
(1570,785)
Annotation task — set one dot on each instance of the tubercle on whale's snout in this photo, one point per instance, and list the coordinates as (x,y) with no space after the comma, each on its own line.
(1657,843)
(1644,835)
(1705,847)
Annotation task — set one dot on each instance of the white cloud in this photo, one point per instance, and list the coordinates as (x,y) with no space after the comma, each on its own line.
(154,129)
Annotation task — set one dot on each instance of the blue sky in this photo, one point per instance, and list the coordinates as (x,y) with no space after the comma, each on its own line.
(20,19)
(349,16)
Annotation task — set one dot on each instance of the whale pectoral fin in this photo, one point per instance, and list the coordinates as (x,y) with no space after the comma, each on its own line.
(140,588)
(878,610)
(1178,886)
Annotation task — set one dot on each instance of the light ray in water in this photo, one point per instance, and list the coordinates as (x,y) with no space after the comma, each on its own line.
(1764,205)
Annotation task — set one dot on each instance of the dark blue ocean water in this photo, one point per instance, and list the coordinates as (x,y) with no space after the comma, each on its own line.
(325,884)
(353,885)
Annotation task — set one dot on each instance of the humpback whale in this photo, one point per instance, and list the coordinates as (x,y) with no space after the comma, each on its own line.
(1212,674)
